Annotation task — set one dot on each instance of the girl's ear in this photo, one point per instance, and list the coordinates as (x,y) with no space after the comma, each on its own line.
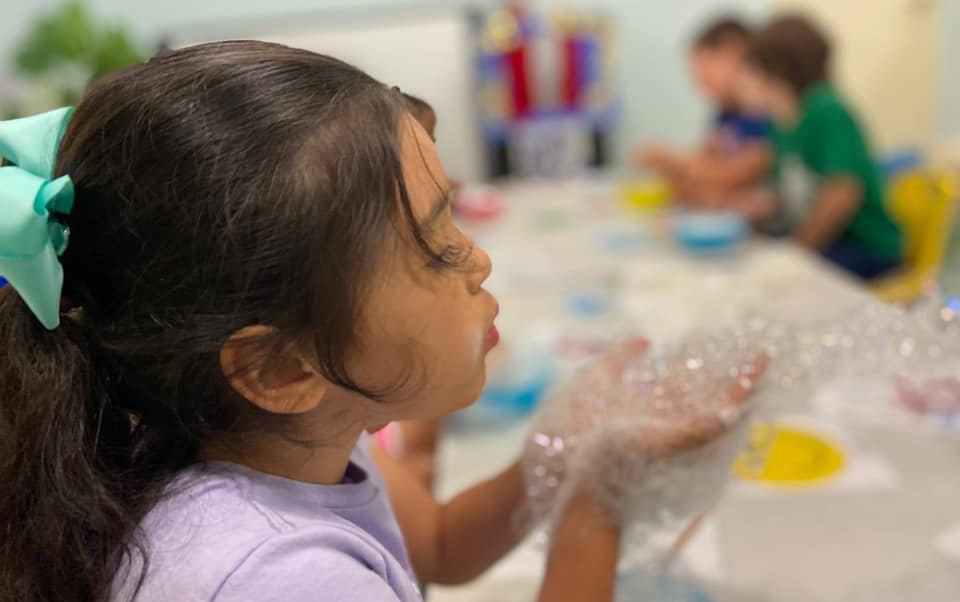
(281,384)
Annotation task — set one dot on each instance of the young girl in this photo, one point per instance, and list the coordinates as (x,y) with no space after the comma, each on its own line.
(259,266)
(827,187)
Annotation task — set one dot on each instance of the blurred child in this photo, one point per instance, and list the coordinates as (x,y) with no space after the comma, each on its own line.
(195,351)
(827,190)
(736,154)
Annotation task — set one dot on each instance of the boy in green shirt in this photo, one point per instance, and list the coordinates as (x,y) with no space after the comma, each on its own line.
(827,190)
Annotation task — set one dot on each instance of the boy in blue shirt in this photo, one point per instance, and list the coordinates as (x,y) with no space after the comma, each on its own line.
(735,155)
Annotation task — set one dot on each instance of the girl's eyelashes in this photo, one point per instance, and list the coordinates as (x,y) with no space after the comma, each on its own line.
(451,255)
(447,257)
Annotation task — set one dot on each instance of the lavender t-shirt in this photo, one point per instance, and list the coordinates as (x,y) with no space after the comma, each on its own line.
(228,533)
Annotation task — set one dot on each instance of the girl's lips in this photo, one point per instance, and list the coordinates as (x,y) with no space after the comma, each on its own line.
(493,336)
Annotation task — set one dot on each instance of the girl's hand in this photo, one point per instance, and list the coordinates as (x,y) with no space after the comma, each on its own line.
(609,453)
(640,449)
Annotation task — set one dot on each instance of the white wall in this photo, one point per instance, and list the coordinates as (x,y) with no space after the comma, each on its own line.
(425,49)
(660,102)
(401,52)
(950,109)
(149,18)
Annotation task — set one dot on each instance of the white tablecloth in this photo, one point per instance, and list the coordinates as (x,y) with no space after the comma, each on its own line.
(875,539)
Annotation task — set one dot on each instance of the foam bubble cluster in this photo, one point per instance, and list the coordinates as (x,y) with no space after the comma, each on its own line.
(632,426)
(651,434)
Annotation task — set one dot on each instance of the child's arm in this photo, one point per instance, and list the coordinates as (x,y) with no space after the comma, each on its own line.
(754,204)
(658,158)
(840,152)
(454,542)
(582,561)
(838,200)
(723,173)
(419,452)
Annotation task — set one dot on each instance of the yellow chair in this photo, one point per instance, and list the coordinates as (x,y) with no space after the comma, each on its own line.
(923,204)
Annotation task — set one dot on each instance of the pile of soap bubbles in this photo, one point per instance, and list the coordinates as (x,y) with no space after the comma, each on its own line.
(651,434)
(916,350)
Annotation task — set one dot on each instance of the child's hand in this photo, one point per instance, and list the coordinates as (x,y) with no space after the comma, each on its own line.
(640,450)
(674,459)
(658,159)
(611,364)
(698,169)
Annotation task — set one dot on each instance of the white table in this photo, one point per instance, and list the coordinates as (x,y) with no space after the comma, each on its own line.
(874,544)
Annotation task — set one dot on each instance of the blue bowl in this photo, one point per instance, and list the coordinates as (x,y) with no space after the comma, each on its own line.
(512,393)
(520,391)
(709,231)
(519,400)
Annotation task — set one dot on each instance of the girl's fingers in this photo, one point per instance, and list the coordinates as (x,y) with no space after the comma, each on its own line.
(679,434)
(615,359)
(741,390)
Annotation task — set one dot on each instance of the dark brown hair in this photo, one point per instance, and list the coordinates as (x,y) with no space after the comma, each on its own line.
(792,50)
(416,105)
(219,186)
(721,32)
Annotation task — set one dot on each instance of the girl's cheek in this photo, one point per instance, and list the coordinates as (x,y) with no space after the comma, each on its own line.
(468,343)
(478,343)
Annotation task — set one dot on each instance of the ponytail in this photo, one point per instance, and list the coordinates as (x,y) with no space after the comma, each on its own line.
(67,502)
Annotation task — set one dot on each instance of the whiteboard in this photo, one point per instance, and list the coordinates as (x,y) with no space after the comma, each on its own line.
(427,53)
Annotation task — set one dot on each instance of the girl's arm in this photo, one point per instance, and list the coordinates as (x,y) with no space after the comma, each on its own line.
(839,199)
(419,439)
(454,542)
(582,561)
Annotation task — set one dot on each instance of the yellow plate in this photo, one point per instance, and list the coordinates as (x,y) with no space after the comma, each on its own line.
(784,455)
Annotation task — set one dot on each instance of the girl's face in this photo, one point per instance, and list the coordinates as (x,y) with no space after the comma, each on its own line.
(427,324)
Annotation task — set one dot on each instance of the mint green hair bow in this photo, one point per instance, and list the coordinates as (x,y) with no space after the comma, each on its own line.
(31,241)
